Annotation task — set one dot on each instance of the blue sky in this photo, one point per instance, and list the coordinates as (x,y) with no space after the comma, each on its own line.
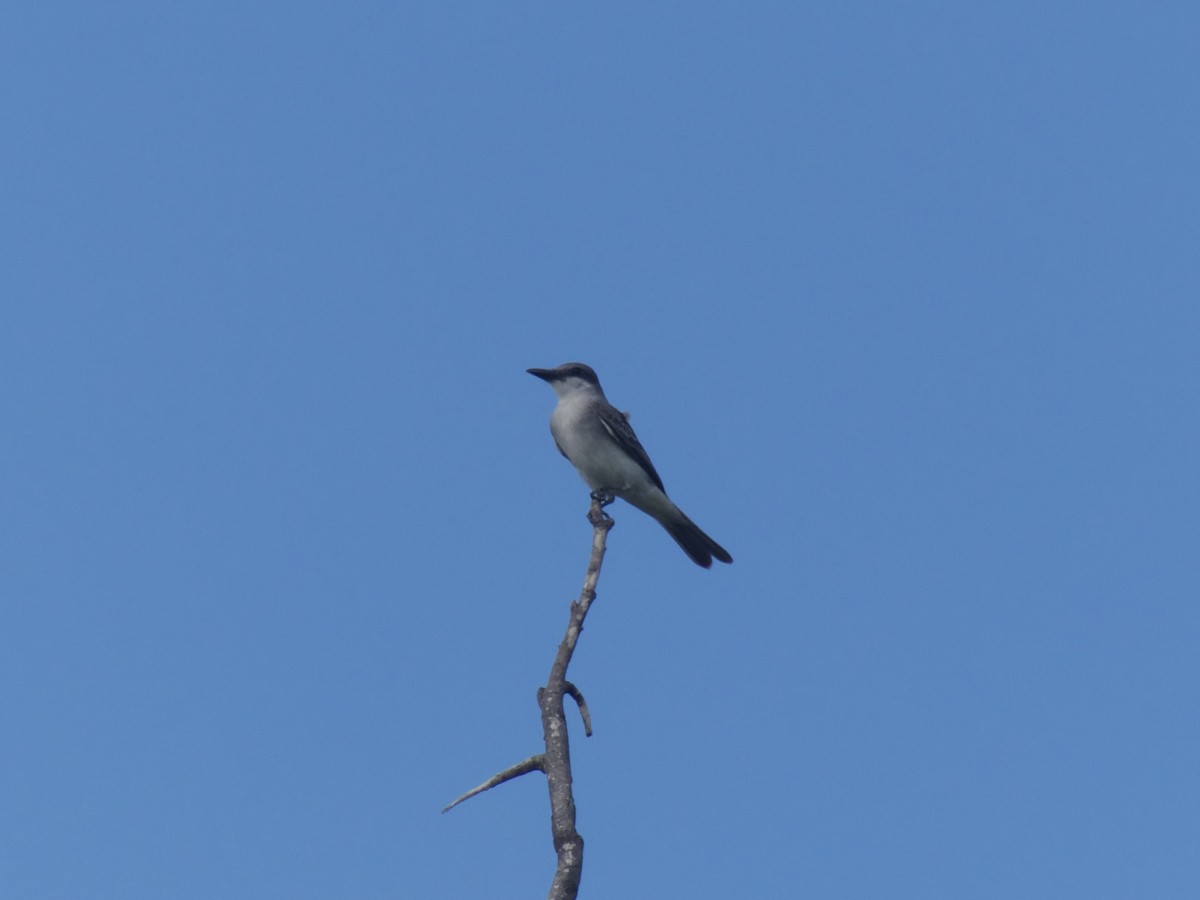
(903,301)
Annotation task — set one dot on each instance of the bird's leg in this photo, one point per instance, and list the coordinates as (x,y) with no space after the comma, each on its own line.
(603,497)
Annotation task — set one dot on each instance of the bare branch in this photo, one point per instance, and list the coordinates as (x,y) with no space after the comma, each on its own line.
(556,761)
(568,843)
(577,696)
(524,767)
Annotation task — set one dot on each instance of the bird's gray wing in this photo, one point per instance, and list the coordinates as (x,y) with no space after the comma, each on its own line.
(616,423)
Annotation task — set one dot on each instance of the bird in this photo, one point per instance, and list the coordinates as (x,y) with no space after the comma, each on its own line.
(597,439)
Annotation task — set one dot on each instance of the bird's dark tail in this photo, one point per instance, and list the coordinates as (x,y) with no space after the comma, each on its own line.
(695,543)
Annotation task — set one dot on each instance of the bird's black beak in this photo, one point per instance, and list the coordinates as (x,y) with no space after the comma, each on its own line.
(544,374)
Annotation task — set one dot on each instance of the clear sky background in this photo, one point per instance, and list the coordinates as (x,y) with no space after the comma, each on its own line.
(902,298)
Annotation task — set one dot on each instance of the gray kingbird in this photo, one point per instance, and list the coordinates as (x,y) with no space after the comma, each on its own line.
(596,438)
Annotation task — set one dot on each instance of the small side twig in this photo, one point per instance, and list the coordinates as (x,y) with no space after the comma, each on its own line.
(535,763)
(577,696)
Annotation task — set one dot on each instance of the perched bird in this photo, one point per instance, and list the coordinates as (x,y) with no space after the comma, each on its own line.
(595,436)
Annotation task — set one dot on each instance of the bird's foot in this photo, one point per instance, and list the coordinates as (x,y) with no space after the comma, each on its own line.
(603,498)
(597,514)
